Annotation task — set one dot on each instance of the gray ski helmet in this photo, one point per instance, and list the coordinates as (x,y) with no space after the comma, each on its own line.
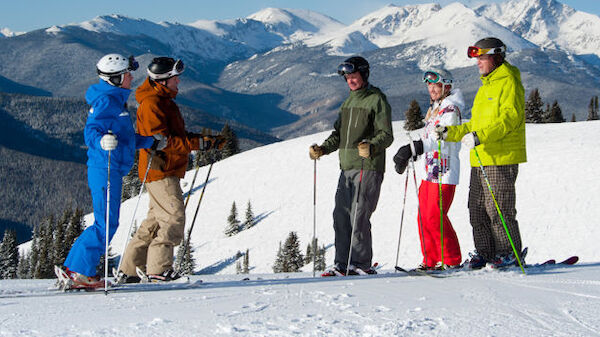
(493,46)
(354,64)
(163,68)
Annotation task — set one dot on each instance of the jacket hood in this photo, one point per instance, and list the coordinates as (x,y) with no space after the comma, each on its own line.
(150,88)
(504,70)
(456,99)
(102,88)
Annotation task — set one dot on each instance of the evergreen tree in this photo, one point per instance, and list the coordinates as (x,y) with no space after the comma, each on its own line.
(59,247)
(131,182)
(74,228)
(233,224)
(292,258)
(573,119)
(238,267)
(23,270)
(593,109)
(320,263)
(249,222)
(34,252)
(231,142)
(414,119)
(9,255)
(555,114)
(186,262)
(44,267)
(246,263)
(279,261)
(310,251)
(533,107)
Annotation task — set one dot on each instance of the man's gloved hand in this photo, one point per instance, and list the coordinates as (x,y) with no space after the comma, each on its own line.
(440,132)
(109,142)
(470,140)
(364,149)
(160,142)
(404,153)
(212,142)
(315,151)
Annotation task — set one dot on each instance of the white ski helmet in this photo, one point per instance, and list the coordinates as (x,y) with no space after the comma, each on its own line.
(439,75)
(112,67)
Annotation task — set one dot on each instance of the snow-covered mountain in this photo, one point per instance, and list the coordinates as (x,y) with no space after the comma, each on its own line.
(548,24)
(441,35)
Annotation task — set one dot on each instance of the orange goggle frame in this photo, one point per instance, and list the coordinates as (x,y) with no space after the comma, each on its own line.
(476,51)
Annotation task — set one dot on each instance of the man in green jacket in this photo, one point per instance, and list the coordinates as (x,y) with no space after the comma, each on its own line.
(497,132)
(362,132)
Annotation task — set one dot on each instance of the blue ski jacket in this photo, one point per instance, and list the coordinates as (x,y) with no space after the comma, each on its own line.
(108,112)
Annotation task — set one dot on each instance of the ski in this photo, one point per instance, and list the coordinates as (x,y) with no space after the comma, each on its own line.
(432,273)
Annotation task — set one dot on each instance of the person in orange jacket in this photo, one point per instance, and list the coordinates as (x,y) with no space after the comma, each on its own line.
(151,248)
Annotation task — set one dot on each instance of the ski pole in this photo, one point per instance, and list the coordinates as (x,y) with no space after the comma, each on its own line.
(402,218)
(135,211)
(314,216)
(187,199)
(187,240)
(412,163)
(487,181)
(107,225)
(441,201)
(362,165)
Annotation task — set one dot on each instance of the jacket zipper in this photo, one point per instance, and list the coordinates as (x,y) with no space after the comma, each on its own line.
(348,135)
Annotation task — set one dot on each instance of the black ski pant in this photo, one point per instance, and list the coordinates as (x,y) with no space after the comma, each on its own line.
(489,234)
(343,215)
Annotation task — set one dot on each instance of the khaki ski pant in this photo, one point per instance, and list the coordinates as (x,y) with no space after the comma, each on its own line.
(151,247)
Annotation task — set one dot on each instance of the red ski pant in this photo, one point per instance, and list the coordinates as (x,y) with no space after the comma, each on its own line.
(429,227)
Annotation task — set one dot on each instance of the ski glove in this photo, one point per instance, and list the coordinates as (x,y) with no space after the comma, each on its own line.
(404,154)
(470,140)
(440,132)
(364,149)
(315,151)
(109,142)
(160,142)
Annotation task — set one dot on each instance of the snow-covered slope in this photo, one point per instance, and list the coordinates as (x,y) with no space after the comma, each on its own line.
(549,24)
(556,198)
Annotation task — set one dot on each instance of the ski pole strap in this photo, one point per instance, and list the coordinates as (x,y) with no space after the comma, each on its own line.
(487,181)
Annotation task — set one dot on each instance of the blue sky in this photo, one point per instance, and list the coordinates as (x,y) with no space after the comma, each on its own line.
(26,15)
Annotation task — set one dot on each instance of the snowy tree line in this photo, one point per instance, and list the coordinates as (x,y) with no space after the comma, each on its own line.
(52,240)
(290,259)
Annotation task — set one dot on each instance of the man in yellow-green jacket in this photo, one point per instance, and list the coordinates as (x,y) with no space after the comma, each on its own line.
(496,132)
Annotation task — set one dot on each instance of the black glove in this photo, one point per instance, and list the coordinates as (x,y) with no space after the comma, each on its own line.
(404,153)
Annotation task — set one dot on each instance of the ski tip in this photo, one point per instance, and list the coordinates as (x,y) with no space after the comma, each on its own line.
(572,260)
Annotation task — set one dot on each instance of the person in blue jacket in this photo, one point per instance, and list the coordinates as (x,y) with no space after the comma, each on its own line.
(108,128)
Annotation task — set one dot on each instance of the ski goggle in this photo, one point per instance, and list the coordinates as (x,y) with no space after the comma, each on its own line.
(433,77)
(476,51)
(133,64)
(346,68)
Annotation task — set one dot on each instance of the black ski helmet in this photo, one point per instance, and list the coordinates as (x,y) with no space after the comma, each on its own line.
(499,48)
(354,64)
(163,68)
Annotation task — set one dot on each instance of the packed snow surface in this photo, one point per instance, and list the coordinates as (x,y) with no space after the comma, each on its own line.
(557,211)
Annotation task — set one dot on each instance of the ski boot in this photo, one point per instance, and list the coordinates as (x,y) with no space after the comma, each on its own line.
(476,261)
